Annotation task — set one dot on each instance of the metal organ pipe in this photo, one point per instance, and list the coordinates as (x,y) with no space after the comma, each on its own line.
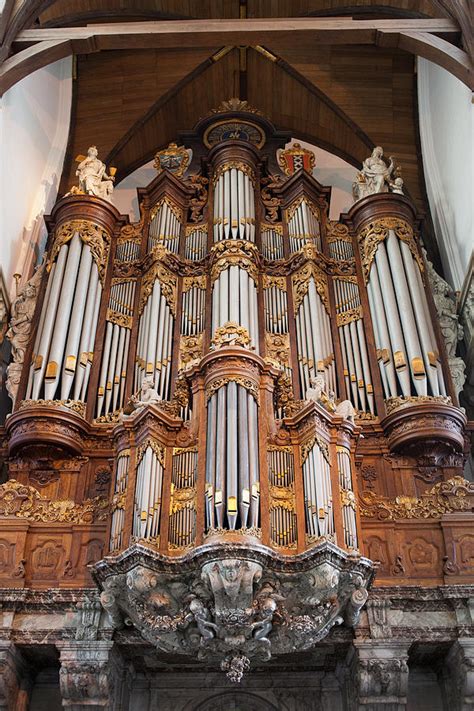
(155,338)
(165,226)
(402,324)
(303,225)
(148,493)
(69,315)
(315,352)
(348,500)
(234,205)
(232,474)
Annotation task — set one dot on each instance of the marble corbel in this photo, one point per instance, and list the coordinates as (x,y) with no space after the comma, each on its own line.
(458,678)
(377,615)
(15,682)
(377,676)
(88,677)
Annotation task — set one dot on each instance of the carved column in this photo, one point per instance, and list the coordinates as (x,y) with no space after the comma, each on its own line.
(13,692)
(459,676)
(377,676)
(88,675)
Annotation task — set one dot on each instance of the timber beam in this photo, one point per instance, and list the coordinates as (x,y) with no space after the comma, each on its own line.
(38,47)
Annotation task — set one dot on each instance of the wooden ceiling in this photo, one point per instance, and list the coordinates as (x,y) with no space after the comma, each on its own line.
(84,10)
(344,98)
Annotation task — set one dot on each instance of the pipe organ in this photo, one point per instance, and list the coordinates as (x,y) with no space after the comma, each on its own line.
(222,357)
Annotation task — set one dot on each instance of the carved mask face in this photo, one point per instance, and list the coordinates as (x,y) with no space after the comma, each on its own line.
(230,570)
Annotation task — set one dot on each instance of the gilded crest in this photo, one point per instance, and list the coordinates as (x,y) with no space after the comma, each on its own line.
(293,159)
(174,158)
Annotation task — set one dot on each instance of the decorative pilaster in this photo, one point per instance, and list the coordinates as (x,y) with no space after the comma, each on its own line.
(459,676)
(87,676)
(377,676)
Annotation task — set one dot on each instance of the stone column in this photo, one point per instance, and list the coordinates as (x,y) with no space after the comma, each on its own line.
(377,675)
(88,675)
(13,693)
(459,676)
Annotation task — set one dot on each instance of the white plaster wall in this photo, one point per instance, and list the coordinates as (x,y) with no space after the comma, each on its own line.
(125,196)
(34,126)
(446,116)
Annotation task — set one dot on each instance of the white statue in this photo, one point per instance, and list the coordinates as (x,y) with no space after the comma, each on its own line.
(93,180)
(23,309)
(147,394)
(317,388)
(327,399)
(375,176)
(397,186)
(446,305)
(346,410)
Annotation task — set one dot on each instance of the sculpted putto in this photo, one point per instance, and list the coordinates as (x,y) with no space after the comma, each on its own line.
(93,180)
(317,392)
(375,177)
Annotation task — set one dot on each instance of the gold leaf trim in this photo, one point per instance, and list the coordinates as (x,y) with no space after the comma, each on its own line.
(91,234)
(218,383)
(377,231)
(26,502)
(158,449)
(456,494)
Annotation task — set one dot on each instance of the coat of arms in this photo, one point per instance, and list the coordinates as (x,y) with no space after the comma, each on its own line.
(293,159)
(174,158)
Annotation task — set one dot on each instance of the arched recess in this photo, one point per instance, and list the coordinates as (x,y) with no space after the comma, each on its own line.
(235,701)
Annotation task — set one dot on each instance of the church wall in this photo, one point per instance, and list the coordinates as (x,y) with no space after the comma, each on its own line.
(34,125)
(446,118)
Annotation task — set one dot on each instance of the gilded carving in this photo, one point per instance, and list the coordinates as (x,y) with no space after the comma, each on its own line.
(293,208)
(175,209)
(194,282)
(238,165)
(377,231)
(350,315)
(456,494)
(231,334)
(168,283)
(246,383)
(26,502)
(395,403)
(119,318)
(269,282)
(300,281)
(337,232)
(277,347)
(190,349)
(76,406)
(308,446)
(239,253)
(91,234)
(158,449)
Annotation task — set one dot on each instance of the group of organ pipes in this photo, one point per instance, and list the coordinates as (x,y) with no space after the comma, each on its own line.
(215,308)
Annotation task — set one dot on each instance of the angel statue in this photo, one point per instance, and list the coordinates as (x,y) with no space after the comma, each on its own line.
(375,176)
(93,180)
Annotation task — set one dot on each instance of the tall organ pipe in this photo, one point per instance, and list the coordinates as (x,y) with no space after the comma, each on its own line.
(232,469)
